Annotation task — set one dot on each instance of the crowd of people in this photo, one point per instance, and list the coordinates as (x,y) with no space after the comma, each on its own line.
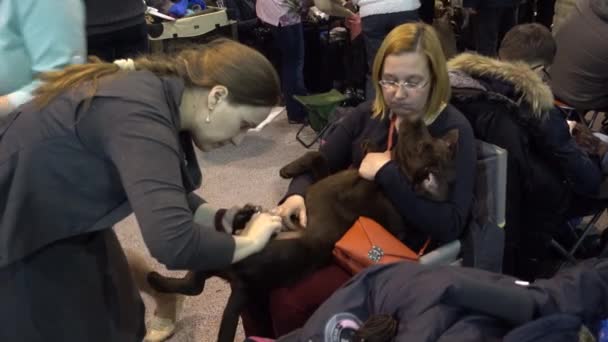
(116,134)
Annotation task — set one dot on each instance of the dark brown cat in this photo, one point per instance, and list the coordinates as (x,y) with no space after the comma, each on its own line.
(333,204)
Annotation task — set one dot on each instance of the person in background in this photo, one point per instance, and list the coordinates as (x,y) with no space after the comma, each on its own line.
(378,18)
(562,11)
(36,36)
(84,155)
(580,72)
(411,83)
(427,11)
(491,19)
(284,17)
(509,104)
(116,29)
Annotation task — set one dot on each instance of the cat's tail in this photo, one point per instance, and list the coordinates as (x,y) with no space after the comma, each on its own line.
(192,284)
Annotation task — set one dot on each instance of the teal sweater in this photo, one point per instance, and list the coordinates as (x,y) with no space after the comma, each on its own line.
(37,36)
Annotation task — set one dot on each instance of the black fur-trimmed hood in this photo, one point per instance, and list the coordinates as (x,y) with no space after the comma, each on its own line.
(472,71)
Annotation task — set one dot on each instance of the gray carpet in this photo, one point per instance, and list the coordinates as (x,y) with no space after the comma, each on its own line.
(231,176)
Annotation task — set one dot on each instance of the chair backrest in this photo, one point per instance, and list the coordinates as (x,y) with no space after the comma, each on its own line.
(490,184)
(483,244)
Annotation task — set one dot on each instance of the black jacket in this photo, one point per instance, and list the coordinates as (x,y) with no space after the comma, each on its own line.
(508,105)
(448,303)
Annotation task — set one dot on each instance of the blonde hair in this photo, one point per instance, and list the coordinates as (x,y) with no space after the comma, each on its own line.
(248,75)
(415,37)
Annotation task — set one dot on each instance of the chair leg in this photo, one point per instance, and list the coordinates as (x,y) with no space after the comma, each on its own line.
(586,230)
(594,117)
(299,139)
(317,137)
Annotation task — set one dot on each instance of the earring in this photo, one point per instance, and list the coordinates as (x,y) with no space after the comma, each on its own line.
(208,118)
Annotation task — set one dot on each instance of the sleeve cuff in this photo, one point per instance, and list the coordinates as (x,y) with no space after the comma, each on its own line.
(18,98)
(387,173)
(205,215)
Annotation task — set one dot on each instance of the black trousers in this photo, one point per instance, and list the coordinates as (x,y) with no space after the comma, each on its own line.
(375,29)
(490,26)
(125,43)
(74,290)
(544,12)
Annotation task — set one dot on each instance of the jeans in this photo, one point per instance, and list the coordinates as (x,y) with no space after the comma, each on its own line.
(491,25)
(289,44)
(375,29)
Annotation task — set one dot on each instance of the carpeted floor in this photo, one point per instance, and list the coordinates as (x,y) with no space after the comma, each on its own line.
(231,176)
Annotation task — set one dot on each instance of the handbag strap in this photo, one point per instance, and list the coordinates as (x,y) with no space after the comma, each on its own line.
(389,145)
(423,249)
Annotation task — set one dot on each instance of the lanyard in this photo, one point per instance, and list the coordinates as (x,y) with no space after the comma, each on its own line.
(391,131)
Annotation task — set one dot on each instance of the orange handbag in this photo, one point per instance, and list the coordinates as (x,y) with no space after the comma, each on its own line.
(367,243)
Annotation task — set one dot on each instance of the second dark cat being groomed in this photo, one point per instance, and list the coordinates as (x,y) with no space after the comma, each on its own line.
(333,204)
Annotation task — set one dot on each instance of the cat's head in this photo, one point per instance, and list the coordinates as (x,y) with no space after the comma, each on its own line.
(419,154)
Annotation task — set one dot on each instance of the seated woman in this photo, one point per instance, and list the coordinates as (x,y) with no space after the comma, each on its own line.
(411,80)
(509,105)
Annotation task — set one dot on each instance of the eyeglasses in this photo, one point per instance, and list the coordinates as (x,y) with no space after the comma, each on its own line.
(394,85)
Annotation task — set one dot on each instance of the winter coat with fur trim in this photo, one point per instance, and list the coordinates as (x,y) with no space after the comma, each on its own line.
(509,105)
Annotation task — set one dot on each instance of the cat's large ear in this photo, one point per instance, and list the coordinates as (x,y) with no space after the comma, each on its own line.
(451,138)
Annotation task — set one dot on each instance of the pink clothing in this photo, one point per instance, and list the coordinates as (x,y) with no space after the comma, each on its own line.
(280,12)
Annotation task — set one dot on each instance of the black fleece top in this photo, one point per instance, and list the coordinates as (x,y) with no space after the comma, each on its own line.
(442,221)
(71,169)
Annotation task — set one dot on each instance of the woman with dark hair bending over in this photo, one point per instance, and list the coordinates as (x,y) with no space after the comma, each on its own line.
(100,141)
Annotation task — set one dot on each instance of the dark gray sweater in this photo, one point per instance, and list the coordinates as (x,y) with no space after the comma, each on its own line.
(105,16)
(68,170)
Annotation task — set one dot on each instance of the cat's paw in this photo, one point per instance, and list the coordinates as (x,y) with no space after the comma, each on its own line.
(243,215)
(286,172)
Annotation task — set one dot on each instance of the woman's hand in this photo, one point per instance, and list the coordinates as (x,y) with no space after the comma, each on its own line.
(255,236)
(372,163)
(293,206)
(261,228)
(5,106)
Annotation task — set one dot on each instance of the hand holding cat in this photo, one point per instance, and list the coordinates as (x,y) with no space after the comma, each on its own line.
(260,229)
(372,163)
(293,206)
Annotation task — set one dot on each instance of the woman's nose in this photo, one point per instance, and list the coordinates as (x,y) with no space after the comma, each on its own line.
(400,92)
(236,140)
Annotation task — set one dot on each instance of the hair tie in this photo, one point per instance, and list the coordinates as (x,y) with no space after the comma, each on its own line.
(125,64)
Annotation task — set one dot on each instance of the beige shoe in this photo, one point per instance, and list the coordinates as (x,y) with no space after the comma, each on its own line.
(159,329)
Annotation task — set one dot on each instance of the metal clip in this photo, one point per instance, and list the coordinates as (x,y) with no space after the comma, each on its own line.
(375,254)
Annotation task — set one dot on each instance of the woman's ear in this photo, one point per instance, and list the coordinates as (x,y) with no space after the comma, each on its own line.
(216,95)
